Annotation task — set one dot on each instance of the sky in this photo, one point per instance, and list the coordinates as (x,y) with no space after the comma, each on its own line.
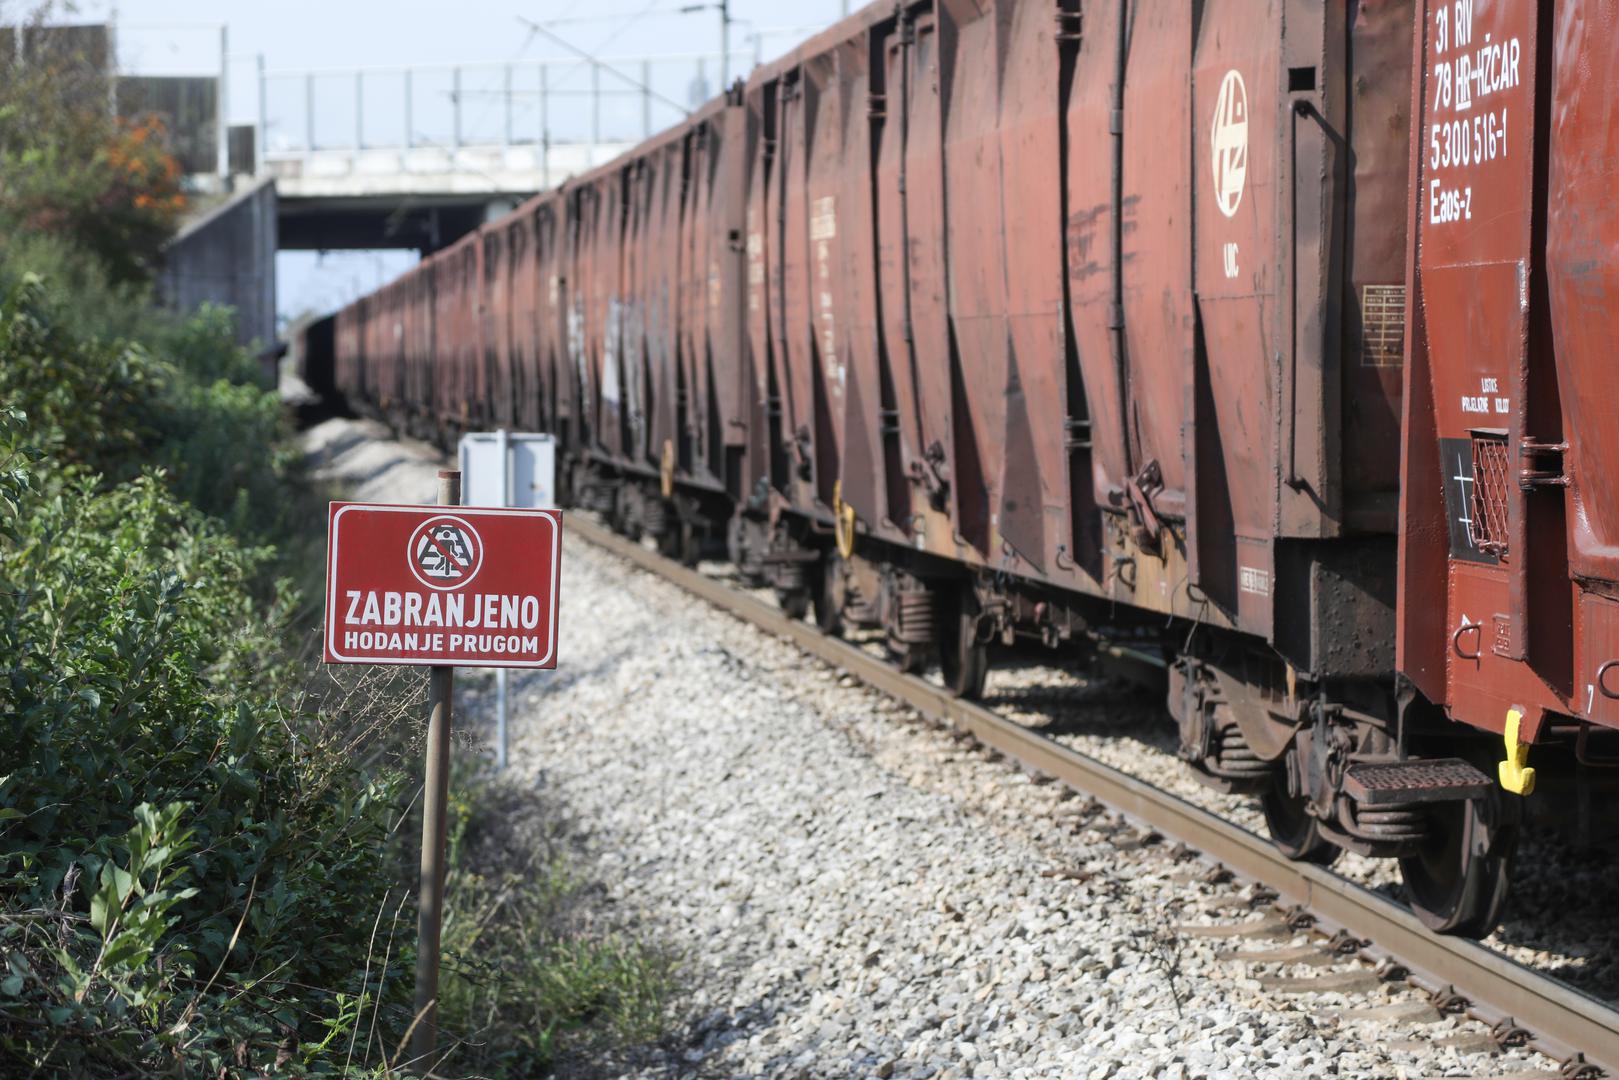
(182,37)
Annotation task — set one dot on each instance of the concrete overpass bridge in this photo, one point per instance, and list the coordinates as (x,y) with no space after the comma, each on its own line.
(405,157)
(414,157)
(367,158)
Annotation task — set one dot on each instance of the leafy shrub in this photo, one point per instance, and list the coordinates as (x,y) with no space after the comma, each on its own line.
(185,856)
(91,403)
(200,870)
(190,847)
(204,347)
(117,408)
(100,306)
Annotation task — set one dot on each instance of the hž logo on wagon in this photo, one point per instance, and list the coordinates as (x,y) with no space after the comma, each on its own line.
(422,585)
(1228,141)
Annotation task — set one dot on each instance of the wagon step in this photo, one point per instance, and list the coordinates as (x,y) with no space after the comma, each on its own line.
(1390,783)
(784,558)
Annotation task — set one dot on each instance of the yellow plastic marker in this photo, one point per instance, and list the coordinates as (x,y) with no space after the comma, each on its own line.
(843,519)
(1515,773)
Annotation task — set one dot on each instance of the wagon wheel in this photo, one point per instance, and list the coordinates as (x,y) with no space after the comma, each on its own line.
(1456,882)
(691,543)
(625,521)
(910,658)
(963,658)
(826,592)
(669,542)
(1292,831)
(795,603)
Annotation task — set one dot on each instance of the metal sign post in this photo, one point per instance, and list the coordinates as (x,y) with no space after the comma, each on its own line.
(500,673)
(514,470)
(435,798)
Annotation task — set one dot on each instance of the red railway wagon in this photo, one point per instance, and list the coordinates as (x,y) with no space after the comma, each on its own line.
(416,339)
(518,323)
(655,328)
(498,243)
(1017,326)
(1509,541)
(973,321)
(522,317)
(1068,326)
(654,316)
(556,379)
(382,370)
(459,378)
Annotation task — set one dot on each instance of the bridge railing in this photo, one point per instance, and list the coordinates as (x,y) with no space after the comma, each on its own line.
(491,124)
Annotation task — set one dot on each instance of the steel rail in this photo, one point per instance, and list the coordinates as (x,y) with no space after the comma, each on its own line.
(1561,1021)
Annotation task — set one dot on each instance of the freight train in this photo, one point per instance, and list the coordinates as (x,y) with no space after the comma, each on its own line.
(1273,337)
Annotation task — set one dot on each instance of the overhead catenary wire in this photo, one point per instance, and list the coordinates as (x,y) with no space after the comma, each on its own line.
(630,19)
(600,66)
(579,20)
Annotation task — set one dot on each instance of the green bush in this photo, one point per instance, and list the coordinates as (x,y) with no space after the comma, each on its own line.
(93,403)
(203,863)
(206,857)
(101,307)
(191,844)
(187,403)
(187,858)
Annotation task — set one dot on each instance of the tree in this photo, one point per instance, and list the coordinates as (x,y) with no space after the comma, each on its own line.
(71,168)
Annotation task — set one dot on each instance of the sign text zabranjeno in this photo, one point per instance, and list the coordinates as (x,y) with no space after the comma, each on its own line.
(445,585)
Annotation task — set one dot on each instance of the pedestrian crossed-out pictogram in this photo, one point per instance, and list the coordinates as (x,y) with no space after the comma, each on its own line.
(445,553)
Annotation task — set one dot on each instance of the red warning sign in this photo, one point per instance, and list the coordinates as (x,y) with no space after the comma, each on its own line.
(442,585)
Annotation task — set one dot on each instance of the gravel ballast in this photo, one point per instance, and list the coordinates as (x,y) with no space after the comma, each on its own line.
(853,892)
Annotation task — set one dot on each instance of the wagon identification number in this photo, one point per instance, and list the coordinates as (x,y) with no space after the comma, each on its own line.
(442,585)
(1470,80)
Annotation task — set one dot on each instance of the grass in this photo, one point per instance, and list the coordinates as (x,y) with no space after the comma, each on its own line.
(535,979)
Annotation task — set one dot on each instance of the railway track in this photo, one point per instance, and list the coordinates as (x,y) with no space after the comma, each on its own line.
(1460,976)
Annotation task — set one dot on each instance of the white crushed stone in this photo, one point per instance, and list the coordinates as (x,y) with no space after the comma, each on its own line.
(1551,874)
(370,464)
(856,893)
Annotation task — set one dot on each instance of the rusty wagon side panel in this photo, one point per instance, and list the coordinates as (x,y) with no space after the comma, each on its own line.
(494,309)
(660,238)
(1119,292)
(653,270)
(635,305)
(456,352)
(418,341)
(1582,260)
(550,318)
(693,405)
(1509,516)
(524,317)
